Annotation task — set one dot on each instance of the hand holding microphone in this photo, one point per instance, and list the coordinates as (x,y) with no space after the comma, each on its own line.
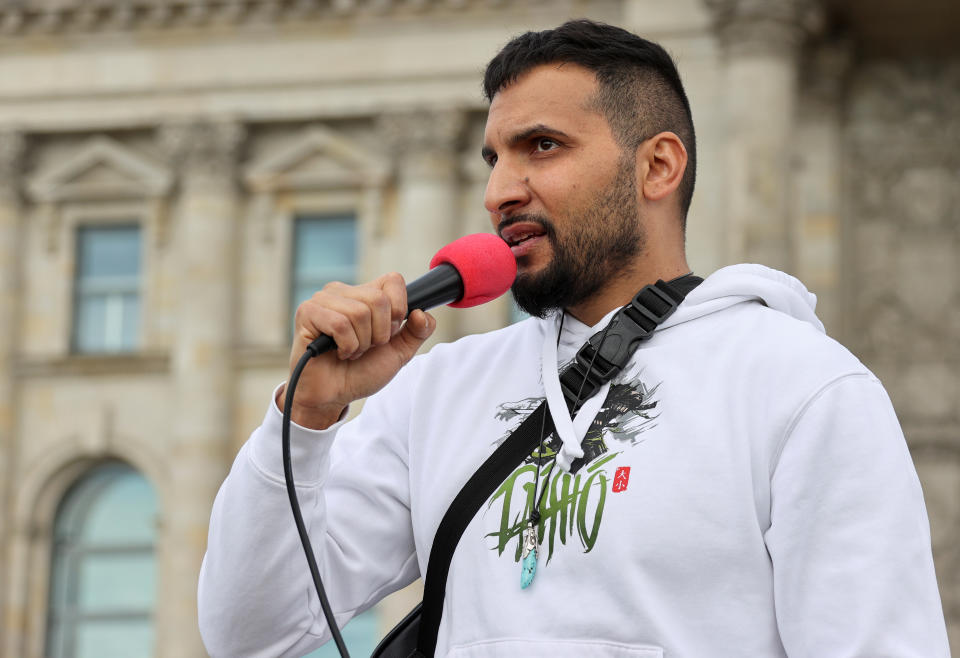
(367,328)
(365,324)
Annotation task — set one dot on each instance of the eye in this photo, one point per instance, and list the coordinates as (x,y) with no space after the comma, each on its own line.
(544,144)
(491,159)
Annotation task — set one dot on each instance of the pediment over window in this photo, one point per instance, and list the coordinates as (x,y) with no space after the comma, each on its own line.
(319,159)
(101,169)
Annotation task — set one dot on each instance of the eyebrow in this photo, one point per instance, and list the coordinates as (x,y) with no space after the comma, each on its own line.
(539,129)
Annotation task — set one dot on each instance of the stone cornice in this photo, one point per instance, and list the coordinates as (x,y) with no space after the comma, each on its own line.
(39,17)
(73,365)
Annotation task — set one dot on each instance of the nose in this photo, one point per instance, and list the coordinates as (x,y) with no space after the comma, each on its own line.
(507,189)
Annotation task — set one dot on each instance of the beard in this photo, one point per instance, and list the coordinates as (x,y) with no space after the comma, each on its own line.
(598,244)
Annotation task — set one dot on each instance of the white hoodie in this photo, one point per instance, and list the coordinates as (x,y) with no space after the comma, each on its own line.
(750,494)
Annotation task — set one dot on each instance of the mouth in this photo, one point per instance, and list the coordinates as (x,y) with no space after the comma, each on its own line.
(517,234)
(524,238)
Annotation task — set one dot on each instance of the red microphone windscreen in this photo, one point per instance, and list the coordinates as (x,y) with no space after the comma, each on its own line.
(486,266)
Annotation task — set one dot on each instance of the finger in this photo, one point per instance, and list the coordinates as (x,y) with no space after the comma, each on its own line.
(366,307)
(322,315)
(361,318)
(381,313)
(421,324)
(416,330)
(395,288)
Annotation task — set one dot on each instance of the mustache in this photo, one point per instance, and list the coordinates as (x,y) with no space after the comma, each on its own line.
(540,220)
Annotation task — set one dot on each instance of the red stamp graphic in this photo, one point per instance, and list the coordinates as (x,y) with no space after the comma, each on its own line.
(621,479)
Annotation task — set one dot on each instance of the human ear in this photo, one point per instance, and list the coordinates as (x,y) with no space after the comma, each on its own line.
(665,160)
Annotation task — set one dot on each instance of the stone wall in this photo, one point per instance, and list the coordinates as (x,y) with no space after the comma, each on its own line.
(214,123)
(902,272)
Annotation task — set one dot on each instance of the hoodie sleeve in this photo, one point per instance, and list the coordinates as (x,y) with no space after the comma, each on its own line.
(256,597)
(849,536)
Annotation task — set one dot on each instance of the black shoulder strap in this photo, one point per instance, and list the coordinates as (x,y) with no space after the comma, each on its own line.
(608,351)
(631,325)
(481,485)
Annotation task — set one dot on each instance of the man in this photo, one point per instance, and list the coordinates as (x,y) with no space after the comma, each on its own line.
(742,488)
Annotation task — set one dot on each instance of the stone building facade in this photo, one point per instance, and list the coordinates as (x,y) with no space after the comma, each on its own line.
(827,148)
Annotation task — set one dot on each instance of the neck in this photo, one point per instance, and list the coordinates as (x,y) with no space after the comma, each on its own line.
(620,291)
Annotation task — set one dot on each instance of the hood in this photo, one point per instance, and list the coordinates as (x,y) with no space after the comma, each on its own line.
(737,284)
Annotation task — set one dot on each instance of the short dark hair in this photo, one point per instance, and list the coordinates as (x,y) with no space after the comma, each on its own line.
(640,90)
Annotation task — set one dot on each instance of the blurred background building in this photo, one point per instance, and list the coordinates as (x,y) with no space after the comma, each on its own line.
(175,175)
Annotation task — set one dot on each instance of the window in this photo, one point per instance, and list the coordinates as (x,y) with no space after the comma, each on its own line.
(324,250)
(107,289)
(103,582)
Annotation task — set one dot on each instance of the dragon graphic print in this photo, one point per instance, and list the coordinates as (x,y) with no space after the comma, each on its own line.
(572,504)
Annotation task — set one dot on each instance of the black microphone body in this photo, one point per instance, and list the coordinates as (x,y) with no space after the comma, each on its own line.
(441,285)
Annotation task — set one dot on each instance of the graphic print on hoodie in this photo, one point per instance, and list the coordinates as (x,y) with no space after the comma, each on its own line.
(572,503)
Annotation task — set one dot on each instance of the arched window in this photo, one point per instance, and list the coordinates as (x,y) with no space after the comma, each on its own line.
(103,578)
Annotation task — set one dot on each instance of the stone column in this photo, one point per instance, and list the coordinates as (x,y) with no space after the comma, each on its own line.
(205,240)
(423,144)
(760,41)
(11,149)
(815,179)
(901,287)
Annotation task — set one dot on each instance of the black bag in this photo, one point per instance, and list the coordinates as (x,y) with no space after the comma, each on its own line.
(401,641)
(598,361)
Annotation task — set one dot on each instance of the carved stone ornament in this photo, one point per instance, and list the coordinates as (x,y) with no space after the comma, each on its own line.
(907,108)
(47,17)
(826,70)
(319,158)
(416,131)
(101,169)
(204,152)
(765,26)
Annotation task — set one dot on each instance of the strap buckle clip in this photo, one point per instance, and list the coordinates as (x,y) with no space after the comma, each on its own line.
(607,352)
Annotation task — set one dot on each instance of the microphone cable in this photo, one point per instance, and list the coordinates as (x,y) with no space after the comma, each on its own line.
(469,271)
(317,347)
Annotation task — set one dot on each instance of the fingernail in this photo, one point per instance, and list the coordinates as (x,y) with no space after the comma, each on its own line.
(394,327)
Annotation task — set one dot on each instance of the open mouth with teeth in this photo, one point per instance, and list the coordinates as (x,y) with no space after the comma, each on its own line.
(523,237)
(520,238)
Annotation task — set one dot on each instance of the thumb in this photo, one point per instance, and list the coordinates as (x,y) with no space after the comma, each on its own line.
(417,329)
